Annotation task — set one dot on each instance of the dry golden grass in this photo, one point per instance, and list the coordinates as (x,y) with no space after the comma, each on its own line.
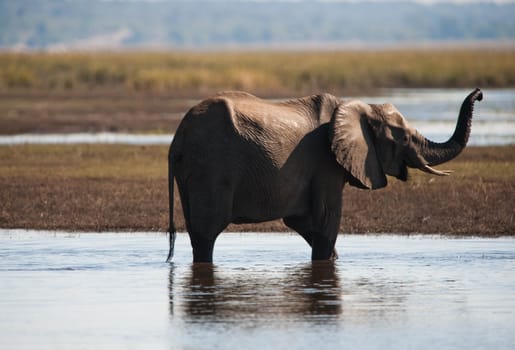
(264,73)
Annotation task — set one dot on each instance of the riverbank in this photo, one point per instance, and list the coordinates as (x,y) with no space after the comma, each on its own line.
(124,188)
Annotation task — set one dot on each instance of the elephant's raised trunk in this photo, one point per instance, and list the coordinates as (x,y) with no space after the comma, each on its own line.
(436,153)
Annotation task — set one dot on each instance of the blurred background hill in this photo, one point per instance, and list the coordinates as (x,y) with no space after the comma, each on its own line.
(94,24)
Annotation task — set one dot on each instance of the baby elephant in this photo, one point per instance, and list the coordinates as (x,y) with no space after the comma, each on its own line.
(240,159)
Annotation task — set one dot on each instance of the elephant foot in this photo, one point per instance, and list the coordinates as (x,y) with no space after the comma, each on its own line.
(323,249)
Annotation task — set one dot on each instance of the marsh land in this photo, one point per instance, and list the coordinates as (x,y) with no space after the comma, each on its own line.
(121,187)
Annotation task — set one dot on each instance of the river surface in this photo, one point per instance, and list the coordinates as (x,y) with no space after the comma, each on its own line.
(114,291)
(432,111)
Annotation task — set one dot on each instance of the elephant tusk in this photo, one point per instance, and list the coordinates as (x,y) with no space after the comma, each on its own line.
(430,170)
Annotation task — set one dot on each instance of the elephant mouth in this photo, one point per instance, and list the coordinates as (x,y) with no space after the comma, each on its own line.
(403,174)
(400,171)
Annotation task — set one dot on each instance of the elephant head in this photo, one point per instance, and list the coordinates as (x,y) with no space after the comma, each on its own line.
(371,141)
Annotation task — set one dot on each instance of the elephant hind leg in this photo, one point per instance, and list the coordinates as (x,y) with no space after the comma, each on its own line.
(205,230)
(202,248)
(203,242)
(208,216)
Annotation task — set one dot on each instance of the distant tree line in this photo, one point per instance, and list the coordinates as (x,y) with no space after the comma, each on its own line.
(184,24)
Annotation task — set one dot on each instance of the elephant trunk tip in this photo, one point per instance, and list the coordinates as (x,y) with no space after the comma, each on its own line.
(478,94)
(437,153)
(462,132)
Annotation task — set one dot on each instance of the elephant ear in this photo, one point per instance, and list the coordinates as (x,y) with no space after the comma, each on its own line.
(352,142)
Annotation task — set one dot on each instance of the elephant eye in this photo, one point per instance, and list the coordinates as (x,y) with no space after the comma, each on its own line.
(405,139)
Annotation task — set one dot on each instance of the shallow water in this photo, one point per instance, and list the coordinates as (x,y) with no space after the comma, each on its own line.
(432,111)
(87,138)
(95,291)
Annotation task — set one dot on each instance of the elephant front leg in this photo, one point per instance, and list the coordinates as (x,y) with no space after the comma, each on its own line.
(324,239)
(303,225)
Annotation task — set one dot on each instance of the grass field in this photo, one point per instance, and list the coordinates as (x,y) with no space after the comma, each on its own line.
(114,187)
(270,74)
(99,188)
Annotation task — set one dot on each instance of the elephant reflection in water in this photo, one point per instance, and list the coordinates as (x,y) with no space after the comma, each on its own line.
(308,291)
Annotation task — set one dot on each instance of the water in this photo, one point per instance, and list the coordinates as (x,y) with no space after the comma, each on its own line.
(114,291)
(432,111)
(87,138)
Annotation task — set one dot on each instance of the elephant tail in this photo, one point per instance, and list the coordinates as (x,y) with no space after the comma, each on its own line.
(171,228)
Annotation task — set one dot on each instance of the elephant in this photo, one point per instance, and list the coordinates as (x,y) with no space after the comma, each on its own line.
(237,158)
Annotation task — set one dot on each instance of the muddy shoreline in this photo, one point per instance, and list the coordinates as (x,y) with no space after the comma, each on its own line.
(124,188)
(72,113)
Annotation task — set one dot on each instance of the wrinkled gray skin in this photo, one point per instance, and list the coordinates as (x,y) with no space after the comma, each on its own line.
(239,159)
